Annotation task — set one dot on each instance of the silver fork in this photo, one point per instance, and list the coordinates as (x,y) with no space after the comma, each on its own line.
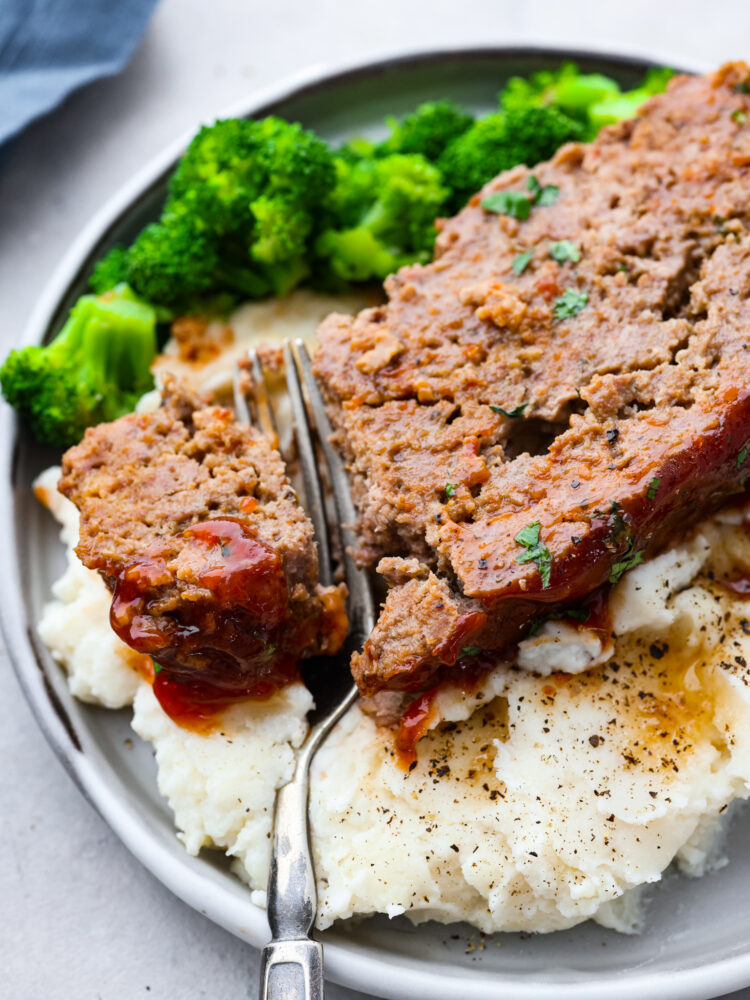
(292,963)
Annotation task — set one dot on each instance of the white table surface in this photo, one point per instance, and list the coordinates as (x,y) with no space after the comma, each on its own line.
(79,918)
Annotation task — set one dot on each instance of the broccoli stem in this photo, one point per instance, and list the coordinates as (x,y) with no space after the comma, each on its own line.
(119,343)
(575,95)
(616,107)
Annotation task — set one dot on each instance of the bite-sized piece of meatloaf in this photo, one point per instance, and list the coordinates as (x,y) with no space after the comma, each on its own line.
(530,430)
(190,518)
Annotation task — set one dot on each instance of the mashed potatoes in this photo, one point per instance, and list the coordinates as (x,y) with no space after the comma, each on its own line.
(205,364)
(542,800)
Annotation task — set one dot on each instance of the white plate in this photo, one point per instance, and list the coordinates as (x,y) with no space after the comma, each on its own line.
(696,941)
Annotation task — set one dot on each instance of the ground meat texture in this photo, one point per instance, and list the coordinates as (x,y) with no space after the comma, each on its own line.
(627,416)
(189,517)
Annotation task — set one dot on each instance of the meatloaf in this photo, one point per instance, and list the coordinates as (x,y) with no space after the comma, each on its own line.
(565,388)
(189,517)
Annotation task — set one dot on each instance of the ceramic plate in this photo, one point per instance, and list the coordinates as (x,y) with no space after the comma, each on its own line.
(696,941)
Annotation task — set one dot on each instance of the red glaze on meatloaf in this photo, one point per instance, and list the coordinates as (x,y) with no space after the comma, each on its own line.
(189,517)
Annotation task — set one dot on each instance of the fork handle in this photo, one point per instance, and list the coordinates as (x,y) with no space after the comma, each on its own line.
(292,898)
(292,964)
(291,970)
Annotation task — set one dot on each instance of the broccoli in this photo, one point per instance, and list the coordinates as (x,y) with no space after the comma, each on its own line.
(94,370)
(111,270)
(537,116)
(566,89)
(256,207)
(500,141)
(356,149)
(241,210)
(383,216)
(591,98)
(428,130)
(617,106)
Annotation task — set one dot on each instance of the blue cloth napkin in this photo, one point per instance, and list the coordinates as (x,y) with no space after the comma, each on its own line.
(50,47)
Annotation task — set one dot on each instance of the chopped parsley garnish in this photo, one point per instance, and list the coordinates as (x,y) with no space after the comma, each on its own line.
(579,614)
(743,454)
(521,262)
(618,526)
(564,250)
(514,203)
(536,551)
(518,204)
(653,488)
(529,536)
(570,303)
(157,667)
(546,195)
(616,519)
(739,116)
(535,624)
(470,651)
(450,489)
(515,412)
(629,560)
(742,87)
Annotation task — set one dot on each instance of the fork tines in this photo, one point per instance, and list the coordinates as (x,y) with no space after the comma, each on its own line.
(251,397)
(311,480)
(311,423)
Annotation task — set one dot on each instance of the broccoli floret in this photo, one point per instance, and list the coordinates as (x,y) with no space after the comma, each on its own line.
(173,261)
(240,214)
(270,175)
(569,90)
(111,270)
(353,255)
(94,370)
(538,115)
(591,98)
(356,149)
(500,141)
(427,131)
(656,80)
(383,216)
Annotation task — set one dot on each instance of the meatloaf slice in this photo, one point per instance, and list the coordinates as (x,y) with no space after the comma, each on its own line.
(190,518)
(555,396)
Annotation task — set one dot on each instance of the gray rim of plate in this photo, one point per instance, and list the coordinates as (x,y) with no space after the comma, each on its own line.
(392,976)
